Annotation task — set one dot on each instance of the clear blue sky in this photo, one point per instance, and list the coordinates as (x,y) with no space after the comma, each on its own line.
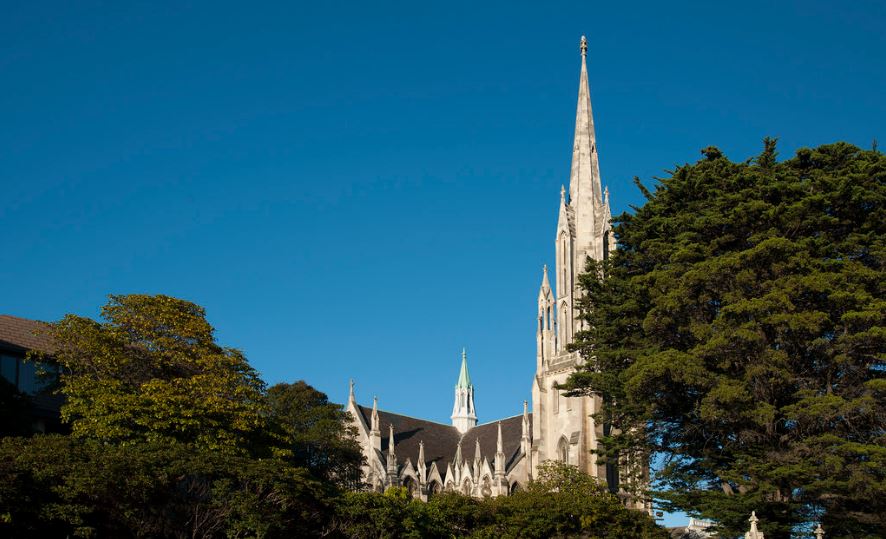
(358,189)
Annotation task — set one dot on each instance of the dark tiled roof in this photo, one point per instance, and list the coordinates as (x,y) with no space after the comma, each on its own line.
(441,440)
(22,334)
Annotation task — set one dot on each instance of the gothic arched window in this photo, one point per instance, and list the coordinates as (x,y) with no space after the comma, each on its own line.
(434,488)
(409,484)
(563,450)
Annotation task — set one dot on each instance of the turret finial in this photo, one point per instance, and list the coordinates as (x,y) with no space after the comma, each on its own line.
(562,194)
(584,46)
(351,390)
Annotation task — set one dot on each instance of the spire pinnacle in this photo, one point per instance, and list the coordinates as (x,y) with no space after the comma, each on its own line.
(498,443)
(375,427)
(583,45)
(351,397)
(391,439)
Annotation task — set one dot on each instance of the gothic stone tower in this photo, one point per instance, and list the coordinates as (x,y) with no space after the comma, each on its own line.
(562,428)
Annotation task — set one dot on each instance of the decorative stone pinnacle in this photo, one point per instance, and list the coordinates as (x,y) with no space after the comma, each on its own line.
(819,533)
(584,46)
(562,193)
(351,390)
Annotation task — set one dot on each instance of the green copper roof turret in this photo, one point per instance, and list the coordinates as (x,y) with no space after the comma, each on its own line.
(464,379)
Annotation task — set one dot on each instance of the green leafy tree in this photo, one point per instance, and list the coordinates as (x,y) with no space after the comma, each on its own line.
(739,333)
(566,502)
(53,486)
(562,502)
(152,370)
(317,433)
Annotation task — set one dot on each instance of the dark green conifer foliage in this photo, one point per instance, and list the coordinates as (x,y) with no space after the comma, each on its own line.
(739,333)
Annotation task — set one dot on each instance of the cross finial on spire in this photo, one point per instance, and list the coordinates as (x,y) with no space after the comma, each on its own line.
(584,46)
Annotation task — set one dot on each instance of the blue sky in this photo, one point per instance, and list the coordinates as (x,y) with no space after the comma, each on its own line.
(361,189)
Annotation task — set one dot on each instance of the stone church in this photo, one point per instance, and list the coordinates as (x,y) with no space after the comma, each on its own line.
(500,457)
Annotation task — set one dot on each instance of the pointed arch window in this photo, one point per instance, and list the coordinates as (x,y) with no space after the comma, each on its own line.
(563,450)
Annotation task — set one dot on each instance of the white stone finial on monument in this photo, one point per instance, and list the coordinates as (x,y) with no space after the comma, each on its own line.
(754,533)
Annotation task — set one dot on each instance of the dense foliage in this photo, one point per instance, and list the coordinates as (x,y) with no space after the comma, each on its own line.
(175,436)
(562,502)
(316,434)
(152,371)
(738,334)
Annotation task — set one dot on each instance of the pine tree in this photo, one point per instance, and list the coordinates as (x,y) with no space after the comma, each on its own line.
(738,333)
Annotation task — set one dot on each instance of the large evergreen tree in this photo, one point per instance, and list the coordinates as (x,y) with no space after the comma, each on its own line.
(738,333)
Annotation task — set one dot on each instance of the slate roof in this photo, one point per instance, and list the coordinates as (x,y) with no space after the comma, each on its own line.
(442,440)
(22,334)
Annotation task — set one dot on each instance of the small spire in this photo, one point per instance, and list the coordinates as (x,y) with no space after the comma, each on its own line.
(819,533)
(562,194)
(351,397)
(583,45)
(606,195)
(375,426)
(464,379)
(458,458)
(477,449)
(498,443)
(391,440)
(421,452)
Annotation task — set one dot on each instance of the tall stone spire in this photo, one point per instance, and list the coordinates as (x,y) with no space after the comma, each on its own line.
(464,417)
(585,192)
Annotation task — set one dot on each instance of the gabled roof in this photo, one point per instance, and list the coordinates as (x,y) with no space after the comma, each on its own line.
(441,441)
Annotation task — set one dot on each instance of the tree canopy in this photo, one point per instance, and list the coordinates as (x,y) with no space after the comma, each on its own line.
(316,433)
(738,334)
(152,370)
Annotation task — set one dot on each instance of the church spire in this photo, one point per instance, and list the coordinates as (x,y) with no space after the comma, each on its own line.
(464,417)
(585,192)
